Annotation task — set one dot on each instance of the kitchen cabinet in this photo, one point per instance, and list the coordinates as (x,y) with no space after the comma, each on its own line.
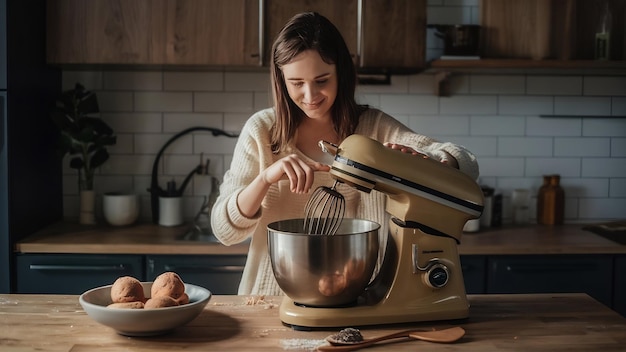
(153,32)
(227,32)
(619,292)
(591,274)
(474,269)
(379,34)
(73,273)
(219,274)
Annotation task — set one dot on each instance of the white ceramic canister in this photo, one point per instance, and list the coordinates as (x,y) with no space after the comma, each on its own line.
(170,211)
(120,209)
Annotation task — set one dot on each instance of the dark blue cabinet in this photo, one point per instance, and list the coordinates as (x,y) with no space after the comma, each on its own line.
(474,269)
(73,273)
(591,274)
(219,274)
(619,284)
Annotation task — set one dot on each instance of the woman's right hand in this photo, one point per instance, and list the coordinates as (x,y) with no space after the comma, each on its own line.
(299,172)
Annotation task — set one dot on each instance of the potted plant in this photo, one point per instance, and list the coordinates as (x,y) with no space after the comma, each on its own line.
(84,137)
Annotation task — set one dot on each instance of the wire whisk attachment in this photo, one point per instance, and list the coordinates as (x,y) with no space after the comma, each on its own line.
(324,211)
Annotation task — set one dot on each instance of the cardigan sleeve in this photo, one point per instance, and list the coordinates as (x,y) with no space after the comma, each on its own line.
(385,128)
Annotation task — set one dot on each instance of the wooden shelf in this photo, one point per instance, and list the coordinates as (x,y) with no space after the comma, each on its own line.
(528,64)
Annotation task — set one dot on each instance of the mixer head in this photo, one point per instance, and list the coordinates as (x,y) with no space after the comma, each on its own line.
(420,189)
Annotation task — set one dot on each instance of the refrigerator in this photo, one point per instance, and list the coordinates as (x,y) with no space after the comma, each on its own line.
(30,169)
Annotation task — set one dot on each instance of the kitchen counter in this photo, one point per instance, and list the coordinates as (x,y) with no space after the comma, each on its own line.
(542,322)
(153,239)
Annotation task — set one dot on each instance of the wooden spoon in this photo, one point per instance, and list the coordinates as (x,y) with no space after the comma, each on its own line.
(442,336)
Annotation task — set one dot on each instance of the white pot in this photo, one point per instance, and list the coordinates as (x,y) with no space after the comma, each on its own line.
(120,209)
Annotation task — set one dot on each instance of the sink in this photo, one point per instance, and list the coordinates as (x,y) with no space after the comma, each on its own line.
(614,231)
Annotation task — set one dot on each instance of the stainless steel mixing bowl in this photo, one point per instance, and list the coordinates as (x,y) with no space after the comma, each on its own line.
(323,270)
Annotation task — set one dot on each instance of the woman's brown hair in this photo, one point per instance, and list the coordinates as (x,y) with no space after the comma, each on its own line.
(312,31)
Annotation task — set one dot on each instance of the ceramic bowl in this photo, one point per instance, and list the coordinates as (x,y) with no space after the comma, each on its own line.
(143,322)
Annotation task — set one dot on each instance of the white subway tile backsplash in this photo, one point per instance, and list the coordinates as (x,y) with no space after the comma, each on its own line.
(193,81)
(468,105)
(223,102)
(617,187)
(554,85)
(128,122)
(494,116)
(604,127)
(163,101)
(602,208)
(109,101)
(496,84)
(525,105)
(525,146)
(440,125)
(91,80)
(152,143)
(497,126)
(501,167)
(584,147)
(566,167)
(133,80)
(605,85)
(618,107)
(247,81)
(409,104)
(618,147)
(581,106)
(449,15)
(585,187)
(553,126)
(176,122)
(603,167)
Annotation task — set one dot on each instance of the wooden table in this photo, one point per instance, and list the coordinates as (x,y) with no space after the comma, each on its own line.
(546,322)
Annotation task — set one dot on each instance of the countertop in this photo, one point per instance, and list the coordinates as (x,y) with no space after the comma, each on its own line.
(66,237)
(538,322)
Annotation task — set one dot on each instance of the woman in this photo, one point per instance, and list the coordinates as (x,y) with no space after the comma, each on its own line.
(277,160)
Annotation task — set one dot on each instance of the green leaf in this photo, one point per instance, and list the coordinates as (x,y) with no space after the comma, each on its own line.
(76,163)
(99,157)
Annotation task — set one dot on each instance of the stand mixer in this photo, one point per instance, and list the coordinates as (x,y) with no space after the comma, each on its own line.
(420,278)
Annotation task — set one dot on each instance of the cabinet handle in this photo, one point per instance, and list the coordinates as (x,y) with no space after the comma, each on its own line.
(206,269)
(539,268)
(49,267)
(359,32)
(261,32)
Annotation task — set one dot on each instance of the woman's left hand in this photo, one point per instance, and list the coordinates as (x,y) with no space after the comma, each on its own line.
(438,155)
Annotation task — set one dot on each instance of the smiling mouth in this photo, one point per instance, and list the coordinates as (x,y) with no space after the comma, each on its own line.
(313,105)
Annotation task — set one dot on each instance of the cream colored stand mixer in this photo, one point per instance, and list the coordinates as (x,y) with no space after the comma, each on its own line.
(420,278)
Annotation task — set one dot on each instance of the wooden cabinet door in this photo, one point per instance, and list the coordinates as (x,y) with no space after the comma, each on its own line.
(105,31)
(213,32)
(170,32)
(393,34)
(343,14)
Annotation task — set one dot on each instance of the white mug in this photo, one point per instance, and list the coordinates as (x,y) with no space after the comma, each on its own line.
(120,209)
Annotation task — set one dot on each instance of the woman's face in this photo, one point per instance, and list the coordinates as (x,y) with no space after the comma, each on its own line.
(311,84)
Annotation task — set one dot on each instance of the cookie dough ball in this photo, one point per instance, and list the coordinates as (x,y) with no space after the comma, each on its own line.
(127,289)
(168,284)
(127,305)
(183,299)
(160,302)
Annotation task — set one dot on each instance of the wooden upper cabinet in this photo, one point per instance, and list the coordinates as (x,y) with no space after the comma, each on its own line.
(176,32)
(379,33)
(393,34)
(213,32)
(383,34)
(105,31)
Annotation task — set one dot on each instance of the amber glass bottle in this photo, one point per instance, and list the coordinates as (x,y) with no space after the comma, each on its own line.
(551,201)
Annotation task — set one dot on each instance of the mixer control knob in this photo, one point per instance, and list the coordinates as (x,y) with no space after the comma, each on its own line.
(437,276)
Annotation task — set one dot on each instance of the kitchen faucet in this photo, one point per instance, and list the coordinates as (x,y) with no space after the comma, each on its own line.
(155,190)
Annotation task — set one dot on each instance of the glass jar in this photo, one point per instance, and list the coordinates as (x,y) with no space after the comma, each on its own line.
(551,201)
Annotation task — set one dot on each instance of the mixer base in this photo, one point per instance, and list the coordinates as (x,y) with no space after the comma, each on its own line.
(305,318)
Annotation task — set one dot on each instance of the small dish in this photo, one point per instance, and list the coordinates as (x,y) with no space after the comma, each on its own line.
(143,322)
